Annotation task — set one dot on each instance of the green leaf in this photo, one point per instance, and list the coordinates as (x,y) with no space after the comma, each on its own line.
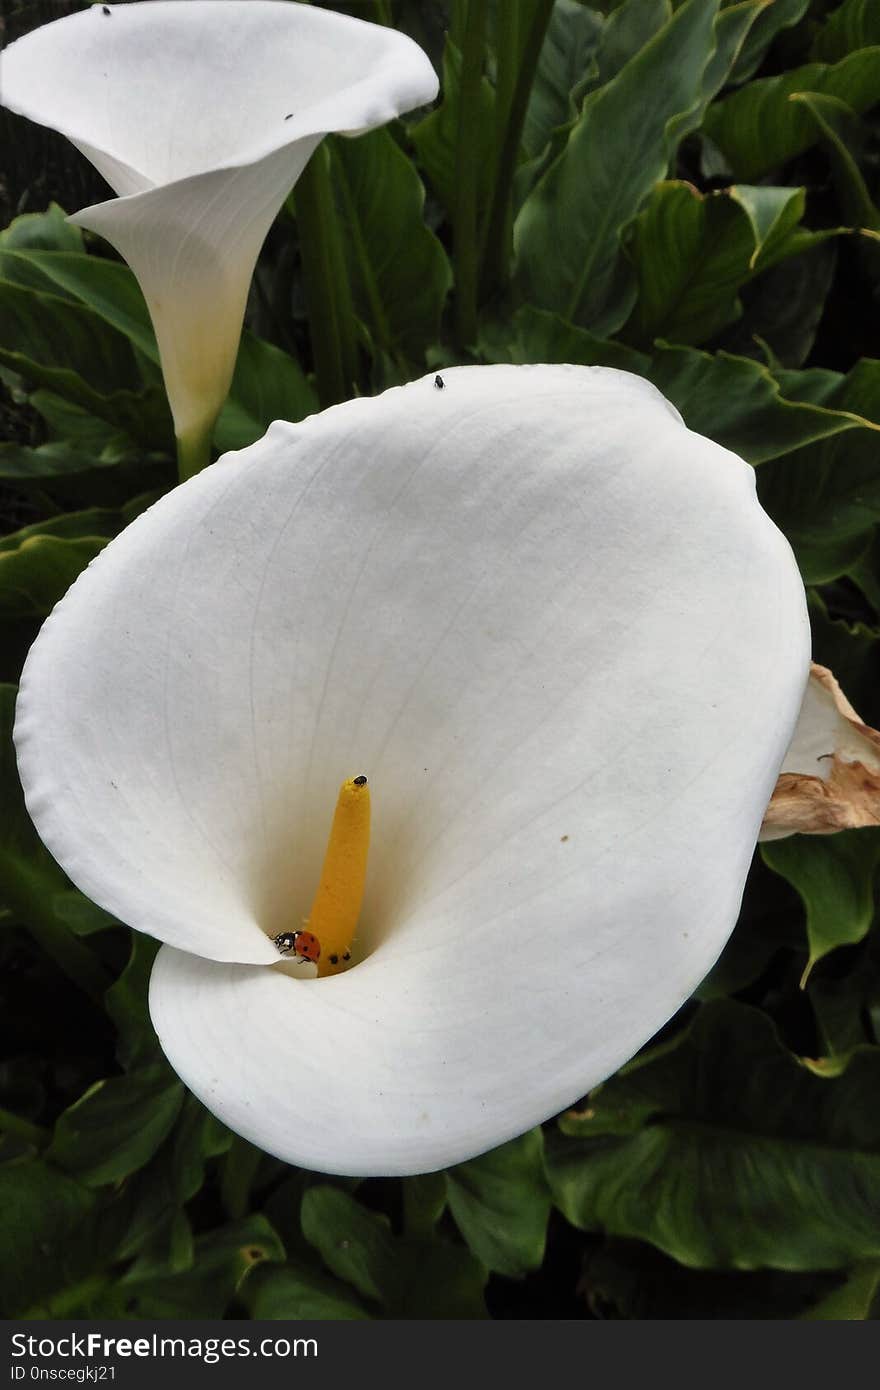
(38,571)
(774,214)
(866,574)
(581,52)
(61,337)
(534,335)
(156,1195)
(424,1202)
(42,231)
(222,1261)
(826,497)
(857,1299)
(693,253)
(21,465)
(769,929)
(267,385)
(444,1281)
(80,914)
(296,1291)
(88,460)
(733,400)
(501,1204)
(45,1235)
(841,133)
(725,1151)
(784,305)
(408,1278)
(781,14)
(126,1003)
(626,31)
(732,30)
(37,566)
(283,1204)
(72,476)
(814,386)
(70,425)
(834,876)
(400,274)
(109,288)
(68,348)
(740,404)
(570,44)
(759,128)
(117,1126)
(855,24)
(197,1137)
(31,883)
(567,234)
(841,1006)
(71,526)
(356,1244)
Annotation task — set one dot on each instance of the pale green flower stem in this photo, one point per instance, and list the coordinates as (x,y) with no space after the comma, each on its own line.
(194,451)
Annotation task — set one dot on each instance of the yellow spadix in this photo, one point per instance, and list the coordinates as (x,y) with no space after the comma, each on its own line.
(337,903)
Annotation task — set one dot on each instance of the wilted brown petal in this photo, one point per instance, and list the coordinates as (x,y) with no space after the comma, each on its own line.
(830,779)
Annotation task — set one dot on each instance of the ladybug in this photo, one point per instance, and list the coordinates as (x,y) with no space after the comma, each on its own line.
(302,943)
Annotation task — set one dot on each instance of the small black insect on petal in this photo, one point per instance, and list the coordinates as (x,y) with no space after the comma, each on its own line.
(106,9)
(334,960)
(289,116)
(360,781)
(439,382)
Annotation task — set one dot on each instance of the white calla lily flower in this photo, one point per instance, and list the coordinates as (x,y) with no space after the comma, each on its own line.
(201,115)
(568,648)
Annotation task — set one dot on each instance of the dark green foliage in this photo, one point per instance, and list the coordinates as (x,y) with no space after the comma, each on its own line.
(404,1276)
(688,191)
(726,1151)
(486,1201)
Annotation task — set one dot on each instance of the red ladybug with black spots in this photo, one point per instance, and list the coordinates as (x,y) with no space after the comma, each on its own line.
(303,943)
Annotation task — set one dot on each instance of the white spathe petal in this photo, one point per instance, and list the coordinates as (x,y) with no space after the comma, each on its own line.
(166,89)
(203,114)
(551,624)
(193,246)
(415,1062)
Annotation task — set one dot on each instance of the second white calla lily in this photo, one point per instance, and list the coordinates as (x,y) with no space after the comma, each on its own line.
(561,637)
(201,115)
